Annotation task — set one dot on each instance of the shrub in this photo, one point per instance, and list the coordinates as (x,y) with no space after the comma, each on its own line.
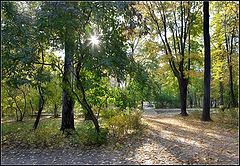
(107,114)
(86,134)
(124,122)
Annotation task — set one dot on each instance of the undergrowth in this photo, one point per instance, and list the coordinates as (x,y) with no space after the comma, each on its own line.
(115,126)
(228,119)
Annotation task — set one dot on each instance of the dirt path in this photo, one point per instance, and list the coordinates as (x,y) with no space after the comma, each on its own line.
(168,140)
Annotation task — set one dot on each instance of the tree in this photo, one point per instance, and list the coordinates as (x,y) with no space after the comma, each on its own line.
(225,50)
(18,69)
(230,34)
(207,63)
(173,23)
(59,29)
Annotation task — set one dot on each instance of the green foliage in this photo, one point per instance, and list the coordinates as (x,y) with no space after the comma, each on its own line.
(164,100)
(107,114)
(86,134)
(48,134)
(124,123)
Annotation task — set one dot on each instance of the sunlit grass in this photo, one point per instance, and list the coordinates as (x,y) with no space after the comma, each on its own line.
(228,119)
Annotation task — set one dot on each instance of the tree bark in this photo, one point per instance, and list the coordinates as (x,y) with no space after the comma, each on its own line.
(207,63)
(31,107)
(16,114)
(25,106)
(229,49)
(233,100)
(183,95)
(40,108)
(87,116)
(221,93)
(83,100)
(55,111)
(67,98)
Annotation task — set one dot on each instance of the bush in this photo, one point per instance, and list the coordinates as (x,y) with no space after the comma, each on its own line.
(86,134)
(107,114)
(124,122)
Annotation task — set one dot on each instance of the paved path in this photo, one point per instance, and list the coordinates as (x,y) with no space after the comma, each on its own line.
(168,140)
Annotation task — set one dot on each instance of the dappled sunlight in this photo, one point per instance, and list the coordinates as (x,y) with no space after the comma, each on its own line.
(175,134)
(179,137)
(151,147)
(185,125)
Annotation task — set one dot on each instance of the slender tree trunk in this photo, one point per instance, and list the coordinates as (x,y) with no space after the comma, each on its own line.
(16,112)
(207,64)
(31,107)
(87,116)
(40,108)
(55,111)
(25,106)
(83,100)
(221,93)
(67,98)
(87,106)
(233,100)
(142,104)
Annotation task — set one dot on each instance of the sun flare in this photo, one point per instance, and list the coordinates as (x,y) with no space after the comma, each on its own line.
(94,40)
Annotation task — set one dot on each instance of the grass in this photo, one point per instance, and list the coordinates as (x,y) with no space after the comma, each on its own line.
(228,119)
(48,134)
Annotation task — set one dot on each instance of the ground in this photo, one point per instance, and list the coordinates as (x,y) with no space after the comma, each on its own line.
(168,139)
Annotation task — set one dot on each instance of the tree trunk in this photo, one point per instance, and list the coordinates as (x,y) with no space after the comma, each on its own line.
(207,64)
(233,100)
(142,104)
(55,111)
(67,112)
(87,116)
(40,108)
(31,107)
(25,106)
(183,95)
(83,100)
(221,93)
(67,98)
(87,106)
(16,113)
